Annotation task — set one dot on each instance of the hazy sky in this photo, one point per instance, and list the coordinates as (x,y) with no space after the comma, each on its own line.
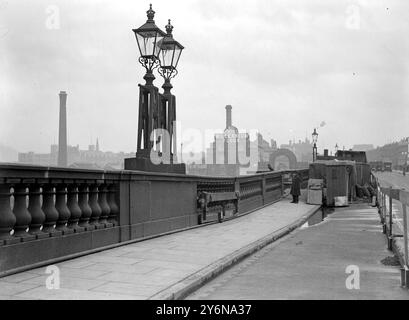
(284,66)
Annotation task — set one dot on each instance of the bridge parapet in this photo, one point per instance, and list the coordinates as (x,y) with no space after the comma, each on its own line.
(42,202)
(391,226)
(48,214)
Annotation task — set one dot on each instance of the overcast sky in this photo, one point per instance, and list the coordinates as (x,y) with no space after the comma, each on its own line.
(284,66)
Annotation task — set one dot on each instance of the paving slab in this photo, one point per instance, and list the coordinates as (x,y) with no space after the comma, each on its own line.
(160,268)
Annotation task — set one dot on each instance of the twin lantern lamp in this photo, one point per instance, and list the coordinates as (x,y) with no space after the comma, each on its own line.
(158,49)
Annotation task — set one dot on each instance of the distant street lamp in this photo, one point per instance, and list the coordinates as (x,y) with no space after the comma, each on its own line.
(314,148)
(406,155)
(405,165)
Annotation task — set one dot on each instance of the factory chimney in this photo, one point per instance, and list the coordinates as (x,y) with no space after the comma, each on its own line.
(228,116)
(62,135)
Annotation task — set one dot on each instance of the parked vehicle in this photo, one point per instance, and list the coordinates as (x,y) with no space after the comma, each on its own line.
(381,166)
(387,166)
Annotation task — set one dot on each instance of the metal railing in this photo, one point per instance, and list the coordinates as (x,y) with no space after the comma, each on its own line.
(251,192)
(385,197)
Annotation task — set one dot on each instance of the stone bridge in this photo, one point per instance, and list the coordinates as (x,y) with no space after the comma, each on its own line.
(53,214)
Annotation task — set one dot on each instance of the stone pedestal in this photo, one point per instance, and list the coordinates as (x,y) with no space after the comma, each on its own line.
(142,162)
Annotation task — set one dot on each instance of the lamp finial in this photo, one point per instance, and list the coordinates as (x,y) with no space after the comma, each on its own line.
(169,28)
(150,13)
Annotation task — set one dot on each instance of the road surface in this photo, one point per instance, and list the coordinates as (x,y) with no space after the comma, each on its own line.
(395,179)
(312,263)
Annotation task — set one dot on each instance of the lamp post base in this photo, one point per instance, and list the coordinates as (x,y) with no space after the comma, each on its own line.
(142,162)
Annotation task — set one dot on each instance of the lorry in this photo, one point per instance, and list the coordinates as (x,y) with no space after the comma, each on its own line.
(387,166)
(381,166)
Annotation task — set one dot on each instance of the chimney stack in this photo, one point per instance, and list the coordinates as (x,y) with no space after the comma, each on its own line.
(62,135)
(228,116)
(326,152)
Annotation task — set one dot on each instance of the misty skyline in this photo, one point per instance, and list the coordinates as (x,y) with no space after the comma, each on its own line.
(284,67)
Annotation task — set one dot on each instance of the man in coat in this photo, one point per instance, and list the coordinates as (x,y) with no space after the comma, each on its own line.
(296,187)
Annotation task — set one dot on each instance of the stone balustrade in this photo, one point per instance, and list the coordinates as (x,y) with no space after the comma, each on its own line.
(55,207)
(49,214)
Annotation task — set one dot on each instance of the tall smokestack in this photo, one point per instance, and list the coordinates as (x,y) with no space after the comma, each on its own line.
(228,116)
(62,135)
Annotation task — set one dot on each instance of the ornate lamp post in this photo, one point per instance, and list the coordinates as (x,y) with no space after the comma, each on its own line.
(170,51)
(147,37)
(314,148)
(156,111)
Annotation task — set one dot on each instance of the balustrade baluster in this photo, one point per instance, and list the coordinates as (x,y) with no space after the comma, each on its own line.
(96,209)
(86,210)
(63,211)
(112,204)
(23,217)
(7,218)
(51,213)
(251,190)
(103,204)
(37,214)
(72,204)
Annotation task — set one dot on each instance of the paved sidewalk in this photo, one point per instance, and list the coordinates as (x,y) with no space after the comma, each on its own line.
(152,268)
(311,263)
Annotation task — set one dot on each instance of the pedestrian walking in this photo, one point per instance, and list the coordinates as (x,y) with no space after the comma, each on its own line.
(296,187)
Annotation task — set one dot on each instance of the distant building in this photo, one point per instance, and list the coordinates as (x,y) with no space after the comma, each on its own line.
(391,152)
(326,156)
(273,144)
(301,149)
(62,160)
(229,154)
(264,148)
(362,147)
(358,156)
(264,152)
(233,153)
(229,147)
(63,155)
(8,154)
(93,158)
